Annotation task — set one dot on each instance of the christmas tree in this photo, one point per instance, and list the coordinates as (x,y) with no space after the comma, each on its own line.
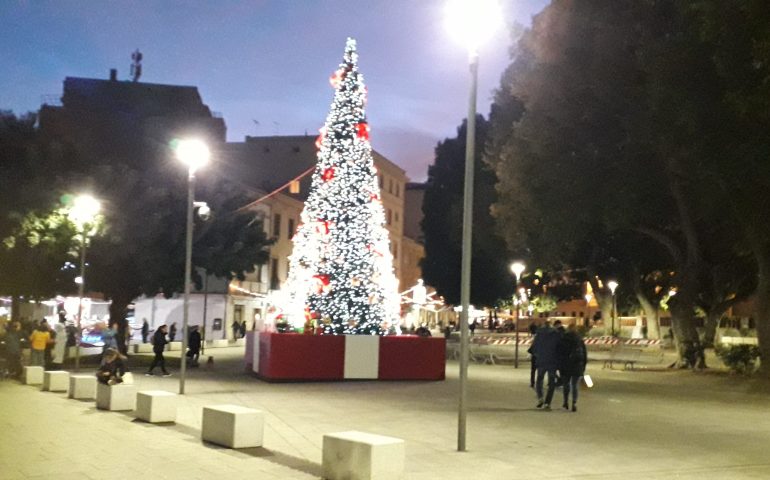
(341,267)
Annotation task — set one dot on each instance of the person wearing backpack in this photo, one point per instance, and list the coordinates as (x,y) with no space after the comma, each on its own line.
(573,356)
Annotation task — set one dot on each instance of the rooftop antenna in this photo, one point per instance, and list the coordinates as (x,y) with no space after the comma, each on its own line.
(136,65)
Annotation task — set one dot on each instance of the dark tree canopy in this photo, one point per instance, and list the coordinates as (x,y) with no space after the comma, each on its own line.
(442,225)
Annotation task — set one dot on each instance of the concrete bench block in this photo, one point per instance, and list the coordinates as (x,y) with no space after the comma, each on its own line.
(82,387)
(156,406)
(240,342)
(118,397)
(362,456)
(219,343)
(174,346)
(56,380)
(143,348)
(33,375)
(233,426)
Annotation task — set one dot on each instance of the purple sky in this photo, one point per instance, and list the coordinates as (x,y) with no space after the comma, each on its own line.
(264,61)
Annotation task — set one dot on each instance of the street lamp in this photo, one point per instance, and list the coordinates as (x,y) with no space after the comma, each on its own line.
(588,298)
(612,285)
(471,21)
(517,268)
(195,154)
(83,214)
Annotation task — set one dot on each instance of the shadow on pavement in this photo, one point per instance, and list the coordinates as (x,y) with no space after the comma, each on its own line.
(299,464)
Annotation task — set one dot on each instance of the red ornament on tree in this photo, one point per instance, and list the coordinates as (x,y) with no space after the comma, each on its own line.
(362,131)
(320,139)
(321,283)
(328,174)
(336,78)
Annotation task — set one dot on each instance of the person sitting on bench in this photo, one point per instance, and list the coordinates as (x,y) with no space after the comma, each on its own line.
(112,369)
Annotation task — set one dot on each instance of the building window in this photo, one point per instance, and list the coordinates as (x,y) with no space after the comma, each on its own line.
(395,251)
(398,189)
(389,216)
(291,228)
(277,225)
(396,217)
(275,284)
(390,185)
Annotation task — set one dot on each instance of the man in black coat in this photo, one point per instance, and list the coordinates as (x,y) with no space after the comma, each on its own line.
(573,358)
(544,348)
(194,345)
(158,345)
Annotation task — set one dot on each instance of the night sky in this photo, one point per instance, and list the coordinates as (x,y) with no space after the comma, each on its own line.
(264,61)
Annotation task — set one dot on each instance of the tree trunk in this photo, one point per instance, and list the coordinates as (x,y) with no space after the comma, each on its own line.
(653,317)
(688,346)
(605,306)
(15,308)
(762,313)
(713,317)
(119,307)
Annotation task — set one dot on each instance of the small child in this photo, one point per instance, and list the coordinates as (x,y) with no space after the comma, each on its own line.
(112,369)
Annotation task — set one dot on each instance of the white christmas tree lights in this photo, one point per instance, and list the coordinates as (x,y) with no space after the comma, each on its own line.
(341,269)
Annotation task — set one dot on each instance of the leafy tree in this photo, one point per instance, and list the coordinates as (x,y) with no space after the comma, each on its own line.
(442,224)
(622,110)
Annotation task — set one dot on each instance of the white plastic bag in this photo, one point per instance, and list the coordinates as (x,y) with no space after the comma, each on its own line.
(588,380)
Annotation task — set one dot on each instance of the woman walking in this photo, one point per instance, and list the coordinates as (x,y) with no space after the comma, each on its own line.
(573,358)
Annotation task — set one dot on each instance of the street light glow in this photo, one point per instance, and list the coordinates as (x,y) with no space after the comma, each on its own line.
(473,21)
(84,209)
(612,285)
(518,268)
(193,152)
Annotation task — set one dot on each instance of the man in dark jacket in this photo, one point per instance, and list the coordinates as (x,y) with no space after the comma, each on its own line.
(545,350)
(573,358)
(158,345)
(145,330)
(194,346)
(13,340)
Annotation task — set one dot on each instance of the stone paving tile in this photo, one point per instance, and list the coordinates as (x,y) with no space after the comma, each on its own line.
(656,425)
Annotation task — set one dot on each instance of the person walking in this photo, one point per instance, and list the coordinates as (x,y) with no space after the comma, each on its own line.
(573,355)
(172,332)
(145,330)
(39,340)
(533,363)
(194,345)
(158,345)
(13,337)
(236,329)
(545,350)
(60,347)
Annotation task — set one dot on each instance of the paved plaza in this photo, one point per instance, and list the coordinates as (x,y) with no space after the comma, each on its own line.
(632,425)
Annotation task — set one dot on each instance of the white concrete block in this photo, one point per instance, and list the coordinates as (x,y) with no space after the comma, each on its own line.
(156,406)
(33,375)
(56,380)
(82,387)
(233,426)
(118,397)
(362,456)
(143,348)
(219,343)
(174,346)
(240,342)
(362,356)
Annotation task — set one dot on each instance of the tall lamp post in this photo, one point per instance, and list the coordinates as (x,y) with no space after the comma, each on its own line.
(471,21)
(588,298)
(517,268)
(83,214)
(195,154)
(612,285)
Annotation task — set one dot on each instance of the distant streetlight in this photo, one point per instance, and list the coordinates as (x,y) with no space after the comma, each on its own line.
(588,298)
(83,214)
(517,268)
(195,154)
(472,21)
(612,285)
